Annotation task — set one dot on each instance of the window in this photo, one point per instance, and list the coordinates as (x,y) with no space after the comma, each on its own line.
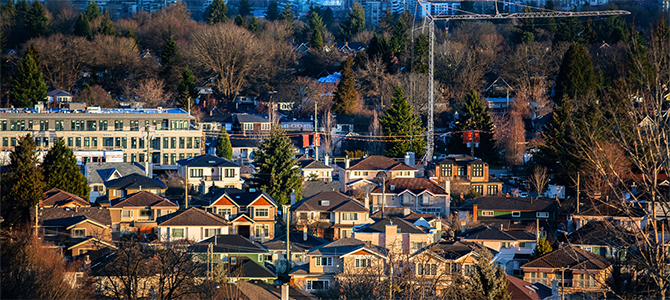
(262,229)
(108,142)
(478,170)
(526,245)
(182,143)
(542,214)
(487,213)
(365,173)
(124,142)
(209,232)
(362,262)
(133,157)
(230,173)
(196,173)
(70,142)
(324,261)
(468,270)
(126,213)
(265,126)
(166,159)
(117,142)
(262,212)
(426,269)
(118,125)
(59,125)
(44,125)
(462,171)
(173,158)
(78,142)
(102,125)
(91,126)
(492,190)
(248,126)
(516,214)
(224,211)
(142,146)
(134,125)
(324,216)
(479,189)
(145,213)
(178,232)
(417,245)
(173,143)
(446,170)
(49,231)
(166,143)
(12,142)
(79,232)
(44,140)
(189,143)
(357,173)
(261,257)
(506,244)
(350,216)
(87,142)
(317,284)
(133,143)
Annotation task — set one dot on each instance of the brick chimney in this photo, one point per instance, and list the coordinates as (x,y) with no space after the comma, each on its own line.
(474,212)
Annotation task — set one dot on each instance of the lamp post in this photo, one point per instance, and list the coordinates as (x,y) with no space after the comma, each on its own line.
(383,176)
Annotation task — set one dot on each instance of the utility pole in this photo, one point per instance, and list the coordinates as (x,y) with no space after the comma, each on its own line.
(186,186)
(472,143)
(316,133)
(577,192)
(287,212)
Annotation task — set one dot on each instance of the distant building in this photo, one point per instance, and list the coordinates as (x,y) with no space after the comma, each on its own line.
(466,170)
(97,174)
(207,171)
(133,183)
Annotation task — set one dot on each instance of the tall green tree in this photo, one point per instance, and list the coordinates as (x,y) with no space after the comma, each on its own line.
(287,13)
(276,172)
(216,13)
(169,52)
(37,22)
(467,6)
(401,122)
(400,37)
(245,8)
(23,182)
(475,117)
(328,16)
(543,247)
(61,171)
(132,35)
(28,85)
(317,40)
(346,95)
(488,280)
(82,27)
(315,21)
(576,78)
(92,10)
(379,47)
(223,147)
(254,26)
(354,23)
(106,25)
(569,30)
(272,13)
(559,152)
(240,21)
(420,59)
(187,89)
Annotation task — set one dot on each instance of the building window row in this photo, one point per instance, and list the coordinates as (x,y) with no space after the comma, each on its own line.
(93,125)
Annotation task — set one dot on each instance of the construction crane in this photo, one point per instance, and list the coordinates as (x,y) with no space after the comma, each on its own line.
(429,22)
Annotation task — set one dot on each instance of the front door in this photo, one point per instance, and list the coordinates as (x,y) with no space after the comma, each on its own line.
(244,230)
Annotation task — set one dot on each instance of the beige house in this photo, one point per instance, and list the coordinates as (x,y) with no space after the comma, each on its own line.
(362,174)
(251,212)
(330,215)
(206,171)
(460,169)
(313,169)
(99,173)
(138,212)
(133,183)
(418,194)
(629,217)
(59,198)
(396,235)
(193,224)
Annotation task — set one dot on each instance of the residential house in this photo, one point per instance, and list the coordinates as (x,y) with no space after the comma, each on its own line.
(251,212)
(576,270)
(76,230)
(330,215)
(239,257)
(59,198)
(301,242)
(207,171)
(349,48)
(311,188)
(461,169)
(306,143)
(244,149)
(59,97)
(523,290)
(193,224)
(338,260)
(100,172)
(446,259)
(138,212)
(395,234)
(418,194)
(261,290)
(603,238)
(249,124)
(628,216)
(315,170)
(362,174)
(514,247)
(422,220)
(133,183)
(514,213)
(293,124)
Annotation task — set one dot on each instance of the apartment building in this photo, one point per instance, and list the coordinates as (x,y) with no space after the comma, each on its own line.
(466,170)
(112,135)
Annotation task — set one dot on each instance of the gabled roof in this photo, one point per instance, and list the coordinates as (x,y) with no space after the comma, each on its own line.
(135,182)
(377,163)
(244,143)
(602,233)
(207,161)
(101,171)
(59,93)
(298,243)
(192,217)
(65,217)
(311,188)
(608,209)
(345,246)
(249,118)
(80,241)
(246,268)
(337,202)
(523,290)
(230,243)
(415,186)
(142,199)
(308,163)
(512,203)
(571,257)
(494,234)
(241,197)
(57,197)
(403,226)
(453,250)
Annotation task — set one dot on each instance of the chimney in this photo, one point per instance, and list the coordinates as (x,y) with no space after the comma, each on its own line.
(390,235)
(292,197)
(367,202)
(554,290)
(463,225)
(284,291)
(304,233)
(346,162)
(447,189)
(410,158)
(474,212)
(326,160)
(438,230)
(407,162)
(263,235)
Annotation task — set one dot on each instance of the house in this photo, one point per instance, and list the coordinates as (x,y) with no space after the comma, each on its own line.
(76,230)
(349,48)
(59,198)
(139,212)
(59,97)
(193,224)
(514,247)
(446,259)
(418,194)
(330,215)
(301,242)
(362,174)
(339,259)
(100,172)
(207,171)
(523,290)
(311,188)
(603,238)
(461,169)
(250,124)
(306,143)
(244,150)
(315,170)
(251,212)
(260,290)
(395,234)
(214,120)
(133,183)
(577,270)
(294,125)
(239,257)
(512,212)
(628,216)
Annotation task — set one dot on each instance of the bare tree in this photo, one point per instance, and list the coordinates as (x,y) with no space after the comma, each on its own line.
(152,93)
(125,275)
(97,96)
(177,271)
(376,84)
(539,179)
(63,58)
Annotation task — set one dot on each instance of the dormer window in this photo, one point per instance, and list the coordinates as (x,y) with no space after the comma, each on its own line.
(325,202)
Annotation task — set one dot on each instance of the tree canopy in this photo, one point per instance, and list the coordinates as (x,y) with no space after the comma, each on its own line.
(354,23)
(187,89)
(346,95)
(216,12)
(92,10)
(169,51)
(576,78)
(28,85)
(543,247)
(401,122)
(223,147)
(23,182)
(276,173)
(272,13)
(61,171)
(475,117)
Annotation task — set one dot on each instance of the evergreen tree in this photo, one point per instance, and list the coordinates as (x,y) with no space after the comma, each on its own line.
(276,172)
(106,26)
(23,183)
(354,23)
(61,171)
(272,14)
(28,85)
(315,22)
(82,27)
(475,117)
(400,121)
(92,10)
(245,8)
(223,147)
(187,89)
(489,281)
(467,6)
(36,22)
(254,26)
(387,22)
(240,21)
(420,60)
(543,247)
(576,78)
(346,95)
(131,34)
(328,16)
(400,37)
(287,13)
(169,52)
(559,151)
(589,35)
(569,30)
(216,13)
(317,41)
(379,48)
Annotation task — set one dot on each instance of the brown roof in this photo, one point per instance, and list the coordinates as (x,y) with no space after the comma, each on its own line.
(59,216)
(414,185)
(378,162)
(522,290)
(192,217)
(142,199)
(57,197)
(571,257)
(337,202)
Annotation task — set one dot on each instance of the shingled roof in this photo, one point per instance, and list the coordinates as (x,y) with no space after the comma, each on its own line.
(403,226)
(142,199)
(453,250)
(522,290)
(308,163)
(601,233)
(414,185)
(512,203)
(613,210)
(494,234)
(297,242)
(101,171)
(240,197)
(57,197)
(247,268)
(207,161)
(135,182)
(311,188)
(345,246)
(57,216)
(229,243)
(571,257)
(378,162)
(337,202)
(192,217)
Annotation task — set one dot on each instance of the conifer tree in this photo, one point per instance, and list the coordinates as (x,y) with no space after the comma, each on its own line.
(354,23)
(106,26)
(488,280)
(36,22)
(475,117)
(223,147)
(254,26)
(245,8)
(216,13)
(401,122)
(569,30)
(23,183)
(576,78)
(315,21)
(272,14)
(169,52)
(61,171)
(380,48)
(400,37)
(287,13)
(131,34)
(28,85)
(328,16)
(559,152)
(420,60)
(346,95)
(240,21)
(316,42)
(187,89)
(92,10)
(82,27)
(543,247)
(276,172)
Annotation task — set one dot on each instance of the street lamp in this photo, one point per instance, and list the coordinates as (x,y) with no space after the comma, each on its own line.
(381,175)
